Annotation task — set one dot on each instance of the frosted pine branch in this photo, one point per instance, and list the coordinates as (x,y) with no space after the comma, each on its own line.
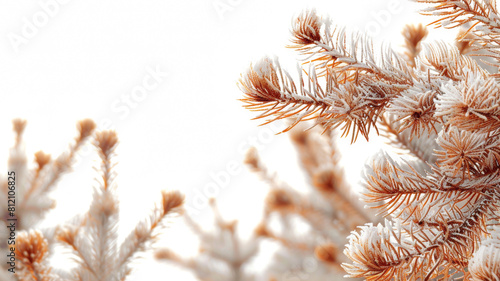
(92,238)
(435,104)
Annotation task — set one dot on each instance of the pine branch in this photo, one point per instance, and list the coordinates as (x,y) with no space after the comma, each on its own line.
(347,55)
(442,108)
(444,61)
(480,15)
(92,239)
(472,104)
(413,35)
(103,212)
(146,232)
(421,147)
(400,190)
(415,110)
(457,13)
(320,159)
(472,154)
(219,248)
(353,105)
(34,201)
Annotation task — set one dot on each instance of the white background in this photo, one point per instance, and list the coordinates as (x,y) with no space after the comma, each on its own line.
(89,55)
